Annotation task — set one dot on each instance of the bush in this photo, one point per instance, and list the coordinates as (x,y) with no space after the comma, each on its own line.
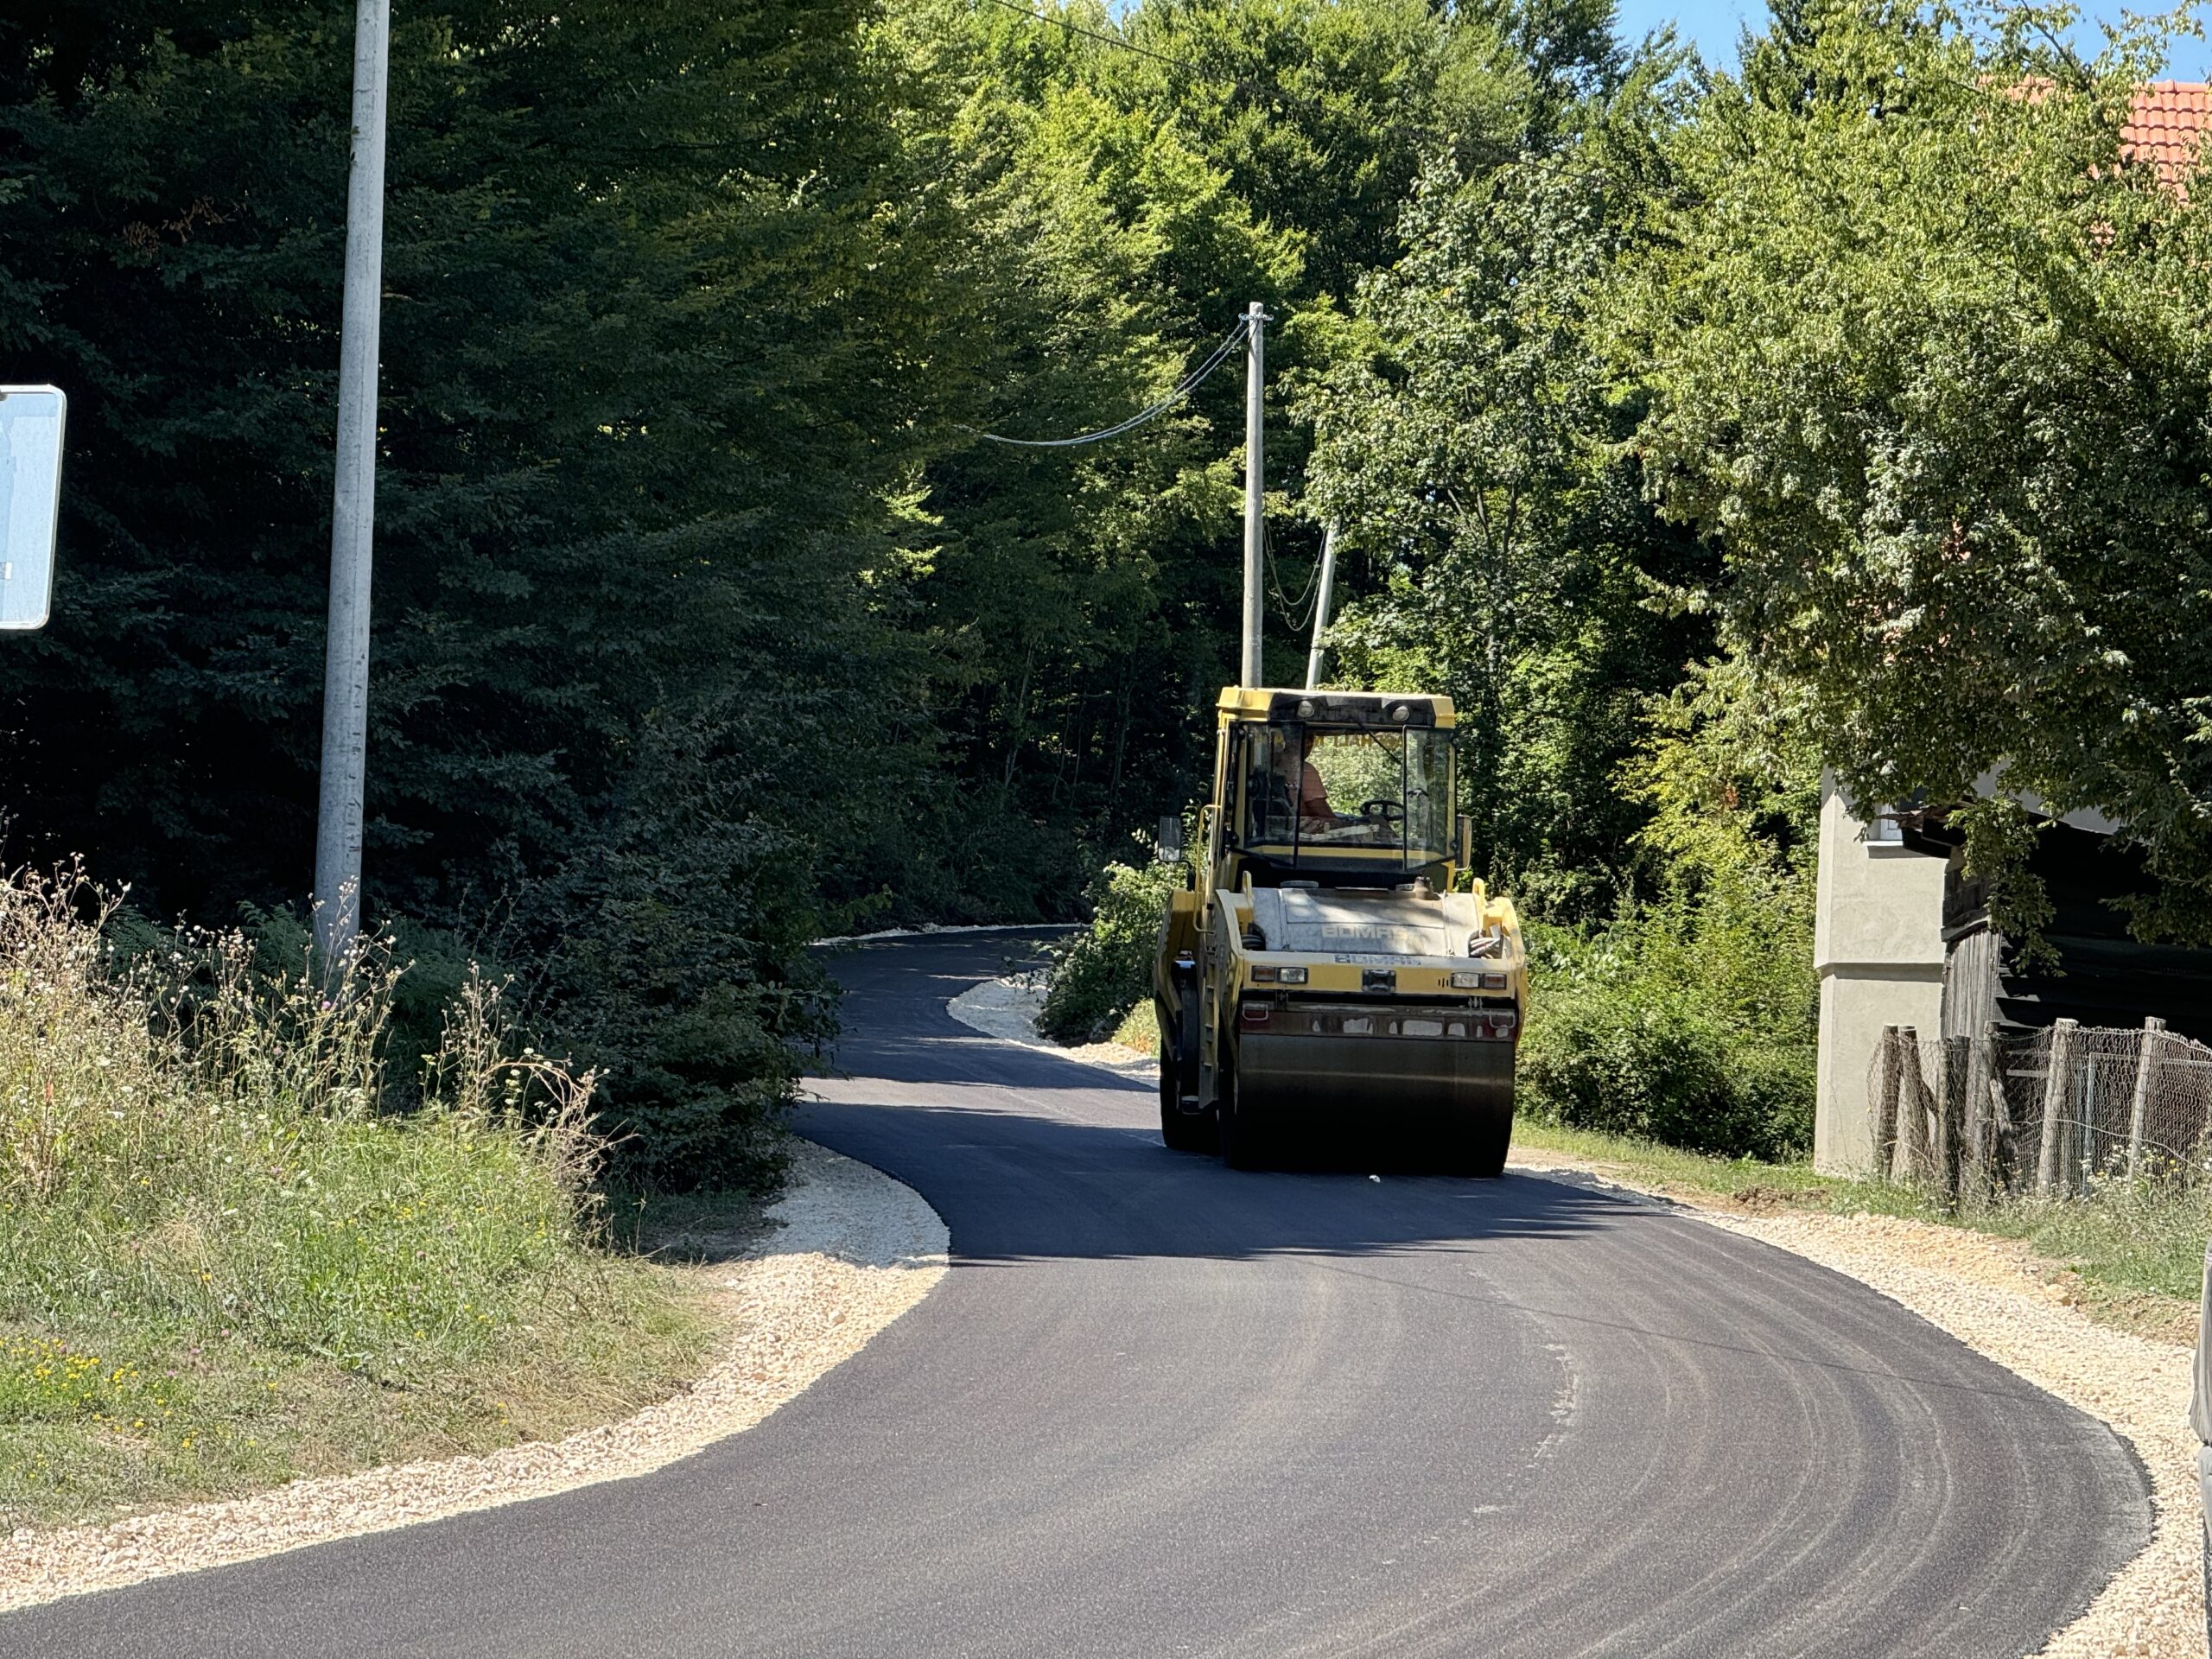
(1690,1022)
(1629,1063)
(1100,973)
(671,955)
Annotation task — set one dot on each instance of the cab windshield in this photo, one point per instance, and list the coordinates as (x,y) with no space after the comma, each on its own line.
(1339,797)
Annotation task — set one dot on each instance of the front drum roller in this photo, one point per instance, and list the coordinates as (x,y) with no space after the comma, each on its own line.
(1412,1073)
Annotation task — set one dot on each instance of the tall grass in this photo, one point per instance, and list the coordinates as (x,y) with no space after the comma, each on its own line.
(187,1144)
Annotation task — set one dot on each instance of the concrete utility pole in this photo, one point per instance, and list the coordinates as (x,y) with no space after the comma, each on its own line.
(1255,374)
(1321,607)
(345,664)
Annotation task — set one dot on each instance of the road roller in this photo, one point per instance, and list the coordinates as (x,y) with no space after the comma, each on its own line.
(1333,971)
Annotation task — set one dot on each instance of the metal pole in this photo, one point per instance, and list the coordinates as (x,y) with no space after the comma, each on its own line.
(345,664)
(1321,607)
(1256,368)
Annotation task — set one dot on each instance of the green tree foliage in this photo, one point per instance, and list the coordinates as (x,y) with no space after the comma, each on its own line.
(658,285)
(1689,1016)
(1928,364)
(708,619)
(1467,451)
(1131,185)
(1071,600)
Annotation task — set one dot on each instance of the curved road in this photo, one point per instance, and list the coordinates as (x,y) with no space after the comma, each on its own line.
(1161,1409)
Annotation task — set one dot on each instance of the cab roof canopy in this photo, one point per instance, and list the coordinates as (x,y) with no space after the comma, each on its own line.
(1382,709)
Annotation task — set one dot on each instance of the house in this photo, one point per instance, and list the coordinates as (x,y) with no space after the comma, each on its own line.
(2164,128)
(1901,937)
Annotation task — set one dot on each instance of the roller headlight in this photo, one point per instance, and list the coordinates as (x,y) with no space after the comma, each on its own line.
(1464,981)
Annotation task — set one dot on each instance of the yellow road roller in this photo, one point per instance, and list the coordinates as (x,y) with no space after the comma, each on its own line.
(1334,970)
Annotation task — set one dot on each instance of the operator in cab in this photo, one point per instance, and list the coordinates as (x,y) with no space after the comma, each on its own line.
(1314,811)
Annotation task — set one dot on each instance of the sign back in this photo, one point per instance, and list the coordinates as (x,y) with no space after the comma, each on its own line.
(30,501)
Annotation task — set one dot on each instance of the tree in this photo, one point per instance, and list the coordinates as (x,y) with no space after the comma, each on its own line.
(1928,364)
(1466,453)
(1131,184)
(661,294)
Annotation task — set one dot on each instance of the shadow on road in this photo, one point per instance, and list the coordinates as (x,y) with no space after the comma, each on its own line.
(1029,1155)
(1014,1185)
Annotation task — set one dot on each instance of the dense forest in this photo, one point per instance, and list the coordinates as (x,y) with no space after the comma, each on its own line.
(1694,431)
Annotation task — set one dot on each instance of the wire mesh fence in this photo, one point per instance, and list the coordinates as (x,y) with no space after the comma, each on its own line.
(2043,1112)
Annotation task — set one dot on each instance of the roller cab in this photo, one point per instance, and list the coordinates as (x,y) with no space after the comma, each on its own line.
(1334,968)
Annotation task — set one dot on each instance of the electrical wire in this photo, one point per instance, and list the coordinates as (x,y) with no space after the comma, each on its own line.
(1189,384)
(1296,613)
(1093,35)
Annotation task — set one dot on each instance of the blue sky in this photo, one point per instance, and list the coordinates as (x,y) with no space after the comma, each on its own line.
(1714,25)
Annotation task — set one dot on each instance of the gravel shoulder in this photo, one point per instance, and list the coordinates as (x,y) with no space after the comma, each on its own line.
(851,1250)
(1006,1008)
(1989,1294)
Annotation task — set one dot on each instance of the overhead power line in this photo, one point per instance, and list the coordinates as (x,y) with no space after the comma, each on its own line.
(1094,34)
(1296,612)
(1189,384)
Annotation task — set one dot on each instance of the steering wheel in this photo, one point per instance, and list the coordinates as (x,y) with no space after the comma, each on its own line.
(1386,813)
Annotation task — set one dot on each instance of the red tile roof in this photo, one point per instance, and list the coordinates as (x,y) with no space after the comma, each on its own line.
(2167,123)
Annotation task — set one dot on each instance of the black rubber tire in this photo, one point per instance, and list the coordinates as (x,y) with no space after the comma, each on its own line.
(1477,1149)
(1242,1145)
(1180,1131)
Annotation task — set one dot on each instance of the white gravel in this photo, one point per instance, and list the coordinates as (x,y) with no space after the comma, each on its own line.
(855,1249)
(1985,1292)
(930,928)
(1007,1008)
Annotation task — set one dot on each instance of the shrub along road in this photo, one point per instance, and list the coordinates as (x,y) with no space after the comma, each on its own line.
(1159,1407)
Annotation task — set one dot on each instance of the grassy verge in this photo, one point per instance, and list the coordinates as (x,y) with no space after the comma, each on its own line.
(100,1417)
(228,1257)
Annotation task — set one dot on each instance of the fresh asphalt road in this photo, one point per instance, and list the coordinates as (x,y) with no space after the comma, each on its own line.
(1159,1407)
